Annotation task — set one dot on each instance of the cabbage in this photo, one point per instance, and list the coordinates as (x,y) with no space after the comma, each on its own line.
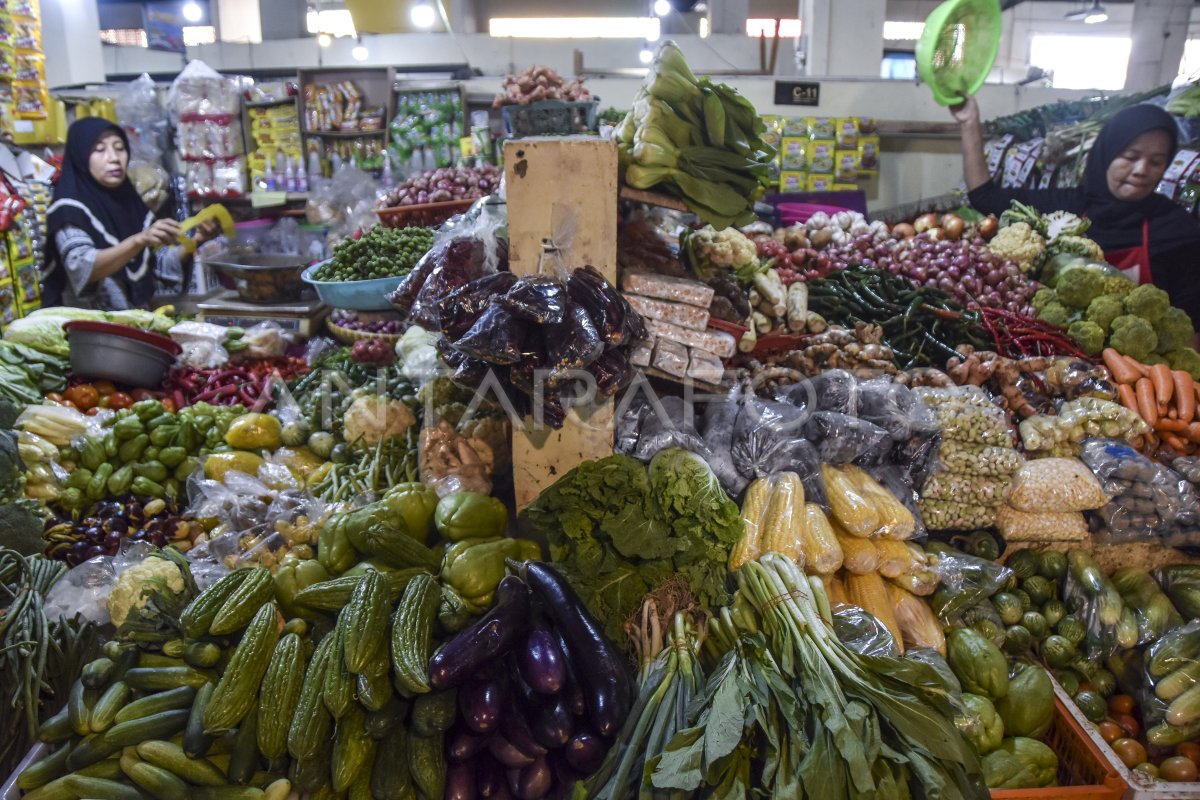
(42,332)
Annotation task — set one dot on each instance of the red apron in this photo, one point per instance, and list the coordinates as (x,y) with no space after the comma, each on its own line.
(1134,262)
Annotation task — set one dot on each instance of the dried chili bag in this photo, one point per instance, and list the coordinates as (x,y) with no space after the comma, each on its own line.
(612,315)
(462,307)
(537,298)
(572,344)
(496,337)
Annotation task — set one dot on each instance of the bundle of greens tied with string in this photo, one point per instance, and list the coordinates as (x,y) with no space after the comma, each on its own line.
(696,140)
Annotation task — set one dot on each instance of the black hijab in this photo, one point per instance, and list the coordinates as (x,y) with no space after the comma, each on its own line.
(1117,224)
(108,216)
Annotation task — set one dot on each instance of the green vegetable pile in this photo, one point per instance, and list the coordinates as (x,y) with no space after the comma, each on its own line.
(380,253)
(617,530)
(27,374)
(20,518)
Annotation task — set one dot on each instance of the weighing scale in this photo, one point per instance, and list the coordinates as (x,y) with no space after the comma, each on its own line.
(224,307)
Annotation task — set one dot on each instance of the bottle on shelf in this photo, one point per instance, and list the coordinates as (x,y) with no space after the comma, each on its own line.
(315,172)
(289,177)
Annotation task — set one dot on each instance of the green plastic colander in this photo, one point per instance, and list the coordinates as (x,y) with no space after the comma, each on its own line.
(958,47)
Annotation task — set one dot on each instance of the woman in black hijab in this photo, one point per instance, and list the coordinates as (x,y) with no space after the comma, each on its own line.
(104,248)
(1143,233)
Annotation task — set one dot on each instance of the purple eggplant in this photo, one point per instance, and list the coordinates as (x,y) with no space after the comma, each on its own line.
(464,743)
(541,662)
(515,728)
(531,782)
(585,752)
(565,778)
(480,703)
(460,782)
(507,753)
(484,641)
(552,727)
(596,662)
(489,775)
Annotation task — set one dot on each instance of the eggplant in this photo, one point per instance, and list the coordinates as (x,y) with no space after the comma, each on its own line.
(585,752)
(480,704)
(489,775)
(507,753)
(464,744)
(565,778)
(484,641)
(531,782)
(552,727)
(515,727)
(602,674)
(541,662)
(460,782)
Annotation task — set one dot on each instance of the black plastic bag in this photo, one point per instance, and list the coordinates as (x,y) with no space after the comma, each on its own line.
(460,309)
(667,425)
(717,426)
(496,337)
(841,439)
(833,390)
(572,344)
(538,298)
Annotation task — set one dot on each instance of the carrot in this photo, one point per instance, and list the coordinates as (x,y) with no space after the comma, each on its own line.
(1127,396)
(1147,406)
(1185,397)
(1164,383)
(1177,443)
(1122,371)
(1171,426)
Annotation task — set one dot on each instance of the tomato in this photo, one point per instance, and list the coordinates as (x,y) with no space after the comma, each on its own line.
(1120,704)
(83,396)
(54,397)
(1128,723)
(141,394)
(1189,750)
(1110,731)
(168,404)
(93,411)
(119,400)
(1177,769)
(1147,768)
(104,387)
(69,404)
(1130,751)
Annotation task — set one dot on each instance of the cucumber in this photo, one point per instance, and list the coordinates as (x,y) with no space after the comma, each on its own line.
(157,679)
(243,602)
(374,691)
(1178,682)
(309,774)
(79,705)
(56,728)
(338,693)
(161,783)
(152,660)
(101,788)
(171,699)
(427,761)
(171,757)
(174,648)
(379,723)
(202,655)
(278,790)
(108,768)
(97,673)
(93,748)
(434,713)
(105,711)
(200,613)
(196,742)
(54,790)
(243,760)
(227,793)
(162,725)
(238,688)
(41,772)
(390,778)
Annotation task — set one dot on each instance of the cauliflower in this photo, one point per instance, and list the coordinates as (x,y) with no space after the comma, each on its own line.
(1043,297)
(1078,245)
(1133,336)
(1117,285)
(1148,302)
(1185,359)
(372,418)
(1059,224)
(1078,287)
(726,249)
(1019,243)
(1054,313)
(1103,310)
(1174,330)
(148,598)
(1088,335)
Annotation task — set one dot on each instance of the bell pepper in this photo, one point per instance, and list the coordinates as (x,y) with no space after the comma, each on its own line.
(473,568)
(334,550)
(293,575)
(470,515)
(415,503)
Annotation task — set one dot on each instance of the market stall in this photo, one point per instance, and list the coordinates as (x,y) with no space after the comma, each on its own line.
(606,487)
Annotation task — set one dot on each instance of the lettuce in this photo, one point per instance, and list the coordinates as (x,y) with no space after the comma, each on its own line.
(42,332)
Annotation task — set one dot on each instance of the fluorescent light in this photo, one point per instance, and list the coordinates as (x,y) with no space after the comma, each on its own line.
(192,11)
(575,27)
(422,14)
(896,31)
(324,40)
(704,27)
(1096,16)
(335,21)
(662,7)
(646,56)
(359,53)
(788,28)
(1090,15)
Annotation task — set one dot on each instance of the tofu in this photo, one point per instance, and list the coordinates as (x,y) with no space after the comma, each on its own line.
(671,358)
(704,366)
(665,287)
(719,343)
(680,314)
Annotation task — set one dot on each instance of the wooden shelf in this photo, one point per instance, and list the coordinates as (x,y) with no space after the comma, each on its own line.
(652,198)
(346,134)
(917,129)
(269,103)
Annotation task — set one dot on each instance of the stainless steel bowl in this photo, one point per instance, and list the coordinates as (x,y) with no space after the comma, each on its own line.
(129,356)
(261,278)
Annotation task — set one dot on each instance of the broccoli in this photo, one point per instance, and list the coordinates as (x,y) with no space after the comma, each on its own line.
(1079,246)
(1174,330)
(1117,285)
(1133,336)
(1080,286)
(1148,302)
(1185,359)
(1088,335)
(1054,313)
(1103,310)
(1044,297)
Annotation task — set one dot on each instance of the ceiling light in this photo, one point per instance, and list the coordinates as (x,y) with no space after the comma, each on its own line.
(359,53)
(422,14)
(662,7)
(646,56)
(700,8)
(1090,14)
(575,27)
(192,11)
(324,40)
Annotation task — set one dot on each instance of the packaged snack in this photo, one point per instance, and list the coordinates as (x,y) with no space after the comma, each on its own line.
(795,126)
(820,182)
(793,153)
(1043,526)
(843,187)
(822,128)
(790,181)
(1057,484)
(866,125)
(846,133)
(845,166)
(821,155)
(868,155)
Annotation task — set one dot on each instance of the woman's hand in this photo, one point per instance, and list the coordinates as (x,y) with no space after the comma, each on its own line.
(162,232)
(967,112)
(206,231)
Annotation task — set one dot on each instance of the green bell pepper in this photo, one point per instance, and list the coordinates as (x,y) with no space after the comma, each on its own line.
(334,550)
(415,503)
(473,568)
(470,515)
(133,449)
(293,575)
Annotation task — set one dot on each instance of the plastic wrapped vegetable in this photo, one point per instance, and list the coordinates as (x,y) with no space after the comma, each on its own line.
(460,309)
(841,439)
(1091,596)
(966,581)
(1149,502)
(1181,582)
(1020,763)
(1156,614)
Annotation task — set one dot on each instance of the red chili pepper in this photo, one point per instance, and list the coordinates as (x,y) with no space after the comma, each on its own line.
(245,396)
(214,395)
(178,397)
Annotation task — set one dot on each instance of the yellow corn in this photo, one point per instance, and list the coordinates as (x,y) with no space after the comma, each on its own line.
(868,592)
(823,554)
(857,514)
(918,625)
(754,504)
(836,589)
(895,520)
(922,583)
(858,555)
(895,558)
(783,521)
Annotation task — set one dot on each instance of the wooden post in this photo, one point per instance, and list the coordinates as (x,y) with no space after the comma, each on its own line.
(547,177)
